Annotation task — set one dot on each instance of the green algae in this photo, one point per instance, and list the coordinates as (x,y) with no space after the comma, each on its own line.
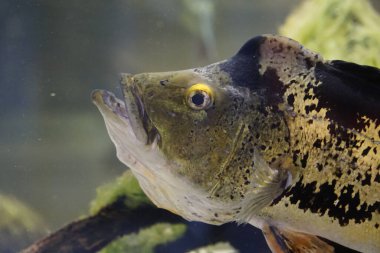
(124,186)
(346,30)
(147,239)
(19,224)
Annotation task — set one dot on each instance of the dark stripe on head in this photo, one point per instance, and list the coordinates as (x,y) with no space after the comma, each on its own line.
(243,68)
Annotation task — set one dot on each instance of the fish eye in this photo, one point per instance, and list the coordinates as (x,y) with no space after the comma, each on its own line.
(199,96)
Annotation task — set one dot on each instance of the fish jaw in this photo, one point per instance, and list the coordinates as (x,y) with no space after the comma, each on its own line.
(134,107)
(118,124)
(129,149)
(109,105)
(145,161)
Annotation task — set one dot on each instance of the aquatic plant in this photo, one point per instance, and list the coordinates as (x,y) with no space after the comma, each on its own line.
(347,30)
(19,224)
(222,247)
(125,185)
(146,239)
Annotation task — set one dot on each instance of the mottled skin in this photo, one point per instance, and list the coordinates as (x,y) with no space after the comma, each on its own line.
(290,142)
(332,111)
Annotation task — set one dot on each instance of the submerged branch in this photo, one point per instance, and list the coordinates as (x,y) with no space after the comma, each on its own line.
(95,232)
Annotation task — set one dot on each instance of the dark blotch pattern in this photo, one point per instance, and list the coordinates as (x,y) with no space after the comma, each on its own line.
(271,88)
(323,202)
(243,68)
(290,100)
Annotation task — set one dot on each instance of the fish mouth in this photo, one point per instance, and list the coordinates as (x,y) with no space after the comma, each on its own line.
(106,100)
(131,110)
(141,124)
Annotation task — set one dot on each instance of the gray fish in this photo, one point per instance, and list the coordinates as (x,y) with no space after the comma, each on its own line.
(275,136)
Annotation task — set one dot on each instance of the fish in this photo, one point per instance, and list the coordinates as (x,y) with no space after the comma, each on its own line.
(275,136)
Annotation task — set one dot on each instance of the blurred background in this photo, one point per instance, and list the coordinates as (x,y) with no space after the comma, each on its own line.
(54,148)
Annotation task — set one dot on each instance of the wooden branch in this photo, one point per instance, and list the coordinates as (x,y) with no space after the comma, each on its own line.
(93,233)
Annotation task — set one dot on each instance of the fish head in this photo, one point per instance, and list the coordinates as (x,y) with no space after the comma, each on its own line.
(176,130)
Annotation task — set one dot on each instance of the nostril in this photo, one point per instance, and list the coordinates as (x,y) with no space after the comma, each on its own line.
(164,82)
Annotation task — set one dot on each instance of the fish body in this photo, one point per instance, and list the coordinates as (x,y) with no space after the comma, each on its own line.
(275,136)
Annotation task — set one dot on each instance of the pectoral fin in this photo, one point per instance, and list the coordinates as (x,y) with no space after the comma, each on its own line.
(287,241)
(267,184)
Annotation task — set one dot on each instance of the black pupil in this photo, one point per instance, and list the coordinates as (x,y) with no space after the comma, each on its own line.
(198,99)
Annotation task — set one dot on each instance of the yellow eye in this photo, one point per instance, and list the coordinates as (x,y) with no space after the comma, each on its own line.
(199,96)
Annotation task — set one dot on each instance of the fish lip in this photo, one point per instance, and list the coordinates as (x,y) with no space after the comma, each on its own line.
(104,98)
(141,124)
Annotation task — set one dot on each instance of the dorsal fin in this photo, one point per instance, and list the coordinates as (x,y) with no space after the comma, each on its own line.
(349,91)
(368,77)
